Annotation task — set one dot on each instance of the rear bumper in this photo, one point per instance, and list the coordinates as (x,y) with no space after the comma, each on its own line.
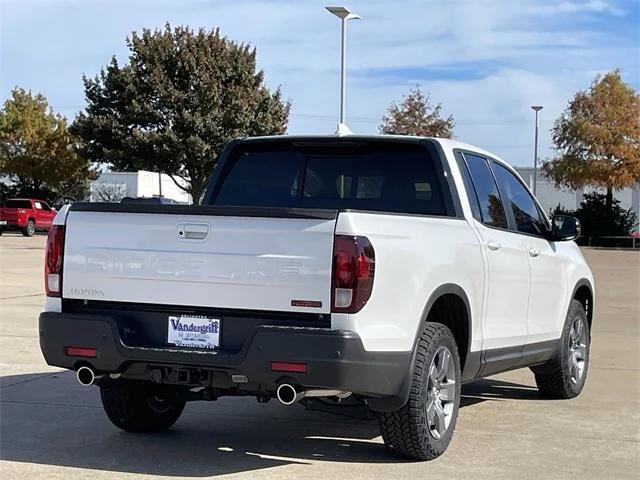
(335,359)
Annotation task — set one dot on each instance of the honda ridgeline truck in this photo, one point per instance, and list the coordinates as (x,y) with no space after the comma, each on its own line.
(382,271)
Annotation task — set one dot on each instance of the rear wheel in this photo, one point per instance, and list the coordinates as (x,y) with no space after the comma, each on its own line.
(140,406)
(565,375)
(423,427)
(30,229)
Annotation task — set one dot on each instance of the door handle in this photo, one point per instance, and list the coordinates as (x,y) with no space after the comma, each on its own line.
(492,245)
(533,252)
(193,231)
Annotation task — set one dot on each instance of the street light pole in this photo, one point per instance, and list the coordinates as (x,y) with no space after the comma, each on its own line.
(343,14)
(536,108)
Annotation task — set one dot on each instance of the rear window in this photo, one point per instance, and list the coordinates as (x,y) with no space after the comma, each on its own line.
(18,204)
(382,177)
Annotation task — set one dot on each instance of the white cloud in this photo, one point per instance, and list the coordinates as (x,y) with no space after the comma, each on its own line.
(511,54)
(592,6)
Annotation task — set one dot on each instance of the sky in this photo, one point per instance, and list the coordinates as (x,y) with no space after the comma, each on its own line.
(486,61)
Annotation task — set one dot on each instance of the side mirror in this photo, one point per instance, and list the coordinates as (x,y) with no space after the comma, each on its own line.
(565,227)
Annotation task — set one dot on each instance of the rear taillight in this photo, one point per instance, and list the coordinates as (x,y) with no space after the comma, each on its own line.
(352,276)
(53,261)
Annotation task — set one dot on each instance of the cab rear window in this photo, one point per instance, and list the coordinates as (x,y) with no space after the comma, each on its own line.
(379,177)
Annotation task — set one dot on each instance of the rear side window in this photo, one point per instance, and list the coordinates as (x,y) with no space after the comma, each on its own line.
(379,177)
(470,189)
(491,208)
(525,212)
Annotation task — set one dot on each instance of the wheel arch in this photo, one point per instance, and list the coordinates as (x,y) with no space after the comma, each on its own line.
(443,304)
(583,292)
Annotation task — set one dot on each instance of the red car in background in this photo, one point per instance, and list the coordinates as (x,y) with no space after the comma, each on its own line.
(26,215)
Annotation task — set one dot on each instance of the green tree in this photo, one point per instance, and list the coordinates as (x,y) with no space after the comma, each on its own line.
(37,151)
(598,138)
(598,220)
(415,115)
(181,97)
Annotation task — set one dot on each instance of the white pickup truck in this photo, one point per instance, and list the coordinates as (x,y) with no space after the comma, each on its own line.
(381,271)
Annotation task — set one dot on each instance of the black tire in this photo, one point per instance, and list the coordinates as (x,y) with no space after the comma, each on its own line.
(407,432)
(557,378)
(30,229)
(1,231)
(140,406)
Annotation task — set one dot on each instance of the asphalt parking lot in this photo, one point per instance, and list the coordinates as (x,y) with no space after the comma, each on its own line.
(51,427)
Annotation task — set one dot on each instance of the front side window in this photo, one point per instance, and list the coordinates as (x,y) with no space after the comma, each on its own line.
(491,208)
(525,212)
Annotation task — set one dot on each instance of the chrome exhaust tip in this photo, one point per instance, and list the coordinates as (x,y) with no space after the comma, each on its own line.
(86,376)
(288,395)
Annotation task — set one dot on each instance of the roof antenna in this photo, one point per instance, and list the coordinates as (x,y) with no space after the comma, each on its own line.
(343,14)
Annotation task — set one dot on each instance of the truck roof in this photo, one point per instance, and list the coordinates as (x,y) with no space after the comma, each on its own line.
(444,142)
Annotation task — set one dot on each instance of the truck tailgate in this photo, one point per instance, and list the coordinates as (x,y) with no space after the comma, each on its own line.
(237,259)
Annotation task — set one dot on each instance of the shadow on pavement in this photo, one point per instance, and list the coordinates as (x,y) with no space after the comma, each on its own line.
(47,418)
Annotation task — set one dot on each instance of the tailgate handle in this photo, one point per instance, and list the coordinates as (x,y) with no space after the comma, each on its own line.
(193,231)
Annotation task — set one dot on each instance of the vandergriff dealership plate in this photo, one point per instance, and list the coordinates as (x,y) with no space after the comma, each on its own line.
(194,332)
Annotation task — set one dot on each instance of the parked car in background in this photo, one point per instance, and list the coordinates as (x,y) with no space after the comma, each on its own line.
(26,215)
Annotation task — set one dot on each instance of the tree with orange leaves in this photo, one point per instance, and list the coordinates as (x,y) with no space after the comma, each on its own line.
(598,138)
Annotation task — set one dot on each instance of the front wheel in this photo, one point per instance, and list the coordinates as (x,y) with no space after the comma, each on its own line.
(565,375)
(422,429)
(137,406)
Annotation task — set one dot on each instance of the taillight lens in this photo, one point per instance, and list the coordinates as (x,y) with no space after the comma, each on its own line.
(352,276)
(53,261)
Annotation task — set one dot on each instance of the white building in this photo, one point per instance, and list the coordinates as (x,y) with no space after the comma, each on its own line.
(114,186)
(550,197)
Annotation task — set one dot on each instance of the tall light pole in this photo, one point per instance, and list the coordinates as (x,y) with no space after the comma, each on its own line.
(343,14)
(536,108)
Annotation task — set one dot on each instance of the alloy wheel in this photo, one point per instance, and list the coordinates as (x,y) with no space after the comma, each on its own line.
(441,390)
(577,350)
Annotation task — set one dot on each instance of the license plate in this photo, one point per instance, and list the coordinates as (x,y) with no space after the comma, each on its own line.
(194,332)
(3,222)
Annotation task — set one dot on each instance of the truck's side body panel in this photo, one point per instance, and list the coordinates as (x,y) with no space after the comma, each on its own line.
(414,256)
(553,272)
